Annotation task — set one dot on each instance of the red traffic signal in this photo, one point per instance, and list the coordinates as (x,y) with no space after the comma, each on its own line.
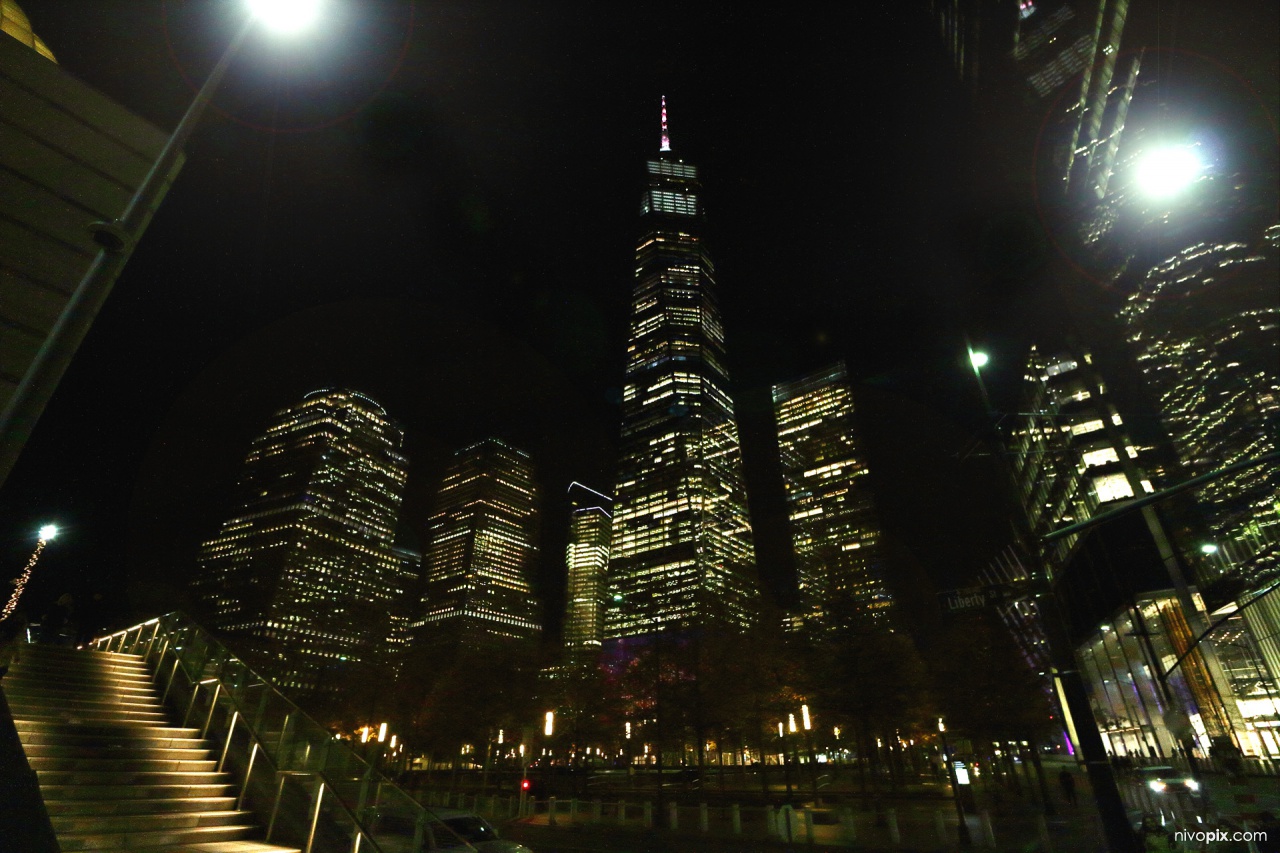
(524,784)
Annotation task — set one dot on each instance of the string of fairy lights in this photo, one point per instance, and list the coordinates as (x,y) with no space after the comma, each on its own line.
(47,532)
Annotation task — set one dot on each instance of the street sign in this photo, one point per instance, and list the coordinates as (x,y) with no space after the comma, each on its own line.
(974,598)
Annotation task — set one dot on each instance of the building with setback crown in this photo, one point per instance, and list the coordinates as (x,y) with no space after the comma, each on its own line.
(834,528)
(478,569)
(304,577)
(682,550)
(587,559)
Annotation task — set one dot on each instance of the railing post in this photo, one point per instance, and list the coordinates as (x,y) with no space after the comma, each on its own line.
(895,836)
(735,818)
(213,703)
(226,747)
(191,706)
(284,728)
(155,632)
(315,817)
(172,674)
(275,807)
(551,811)
(704,824)
(244,789)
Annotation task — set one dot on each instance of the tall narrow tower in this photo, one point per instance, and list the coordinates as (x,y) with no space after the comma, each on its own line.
(587,559)
(682,551)
(304,576)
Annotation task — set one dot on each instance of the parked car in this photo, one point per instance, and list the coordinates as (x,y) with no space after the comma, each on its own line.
(446,829)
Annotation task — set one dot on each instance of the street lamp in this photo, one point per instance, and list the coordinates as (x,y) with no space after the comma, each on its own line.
(965,839)
(47,532)
(116,240)
(1165,172)
(285,16)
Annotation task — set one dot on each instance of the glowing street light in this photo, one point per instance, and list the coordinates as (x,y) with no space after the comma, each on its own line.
(1165,172)
(47,532)
(804,717)
(978,359)
(285,16)
(550,725)
(116,240)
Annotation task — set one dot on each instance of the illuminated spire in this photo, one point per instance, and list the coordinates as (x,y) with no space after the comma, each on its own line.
(666,140)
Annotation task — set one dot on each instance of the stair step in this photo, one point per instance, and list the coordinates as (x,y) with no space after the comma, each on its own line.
(46,688)
(96,731)
(221,847)
(54,778)
(86,824)
(99,749)
(80,717)
(146,765)
(138,806)
(76,791)
(131,839)
(31,697)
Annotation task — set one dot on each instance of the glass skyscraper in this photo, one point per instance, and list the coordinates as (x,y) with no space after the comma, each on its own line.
(682,550)
(834,526)
(1205,328)
(587,560)
(478,569)
(304,577)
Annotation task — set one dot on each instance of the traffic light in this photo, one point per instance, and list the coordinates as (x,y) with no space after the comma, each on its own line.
(524,784)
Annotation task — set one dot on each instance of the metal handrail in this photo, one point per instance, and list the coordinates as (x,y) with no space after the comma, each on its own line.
(178,623)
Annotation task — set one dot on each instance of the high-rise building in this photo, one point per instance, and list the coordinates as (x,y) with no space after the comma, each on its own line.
(1070,450)
(478,568)
(587,560)
(682,550)
(834,526)
(304,576)
(1205,329)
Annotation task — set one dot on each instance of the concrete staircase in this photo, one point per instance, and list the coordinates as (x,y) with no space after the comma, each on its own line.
(114,774)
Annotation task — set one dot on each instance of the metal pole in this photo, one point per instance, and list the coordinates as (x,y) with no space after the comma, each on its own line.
(965,839)
(117,240)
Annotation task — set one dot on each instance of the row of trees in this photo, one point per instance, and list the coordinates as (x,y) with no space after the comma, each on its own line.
(694,696)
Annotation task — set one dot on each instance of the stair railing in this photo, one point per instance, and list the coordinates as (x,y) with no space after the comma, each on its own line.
(315,791)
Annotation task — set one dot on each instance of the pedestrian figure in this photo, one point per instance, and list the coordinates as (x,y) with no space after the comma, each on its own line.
(1067,780)
(55,624)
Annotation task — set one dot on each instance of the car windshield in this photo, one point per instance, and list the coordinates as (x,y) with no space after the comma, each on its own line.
(471,828)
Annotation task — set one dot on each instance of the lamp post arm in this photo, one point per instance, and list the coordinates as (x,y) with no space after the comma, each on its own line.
(116,239)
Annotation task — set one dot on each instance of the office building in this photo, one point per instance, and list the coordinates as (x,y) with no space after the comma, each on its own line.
(682,551)
(834,527)
(478,568)
(1204,326)
(1070,451)
(304,578)
(587,560)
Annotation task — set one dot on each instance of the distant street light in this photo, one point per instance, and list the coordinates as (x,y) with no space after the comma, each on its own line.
(47,533)
(117,238)
(978,359)
(1165,172)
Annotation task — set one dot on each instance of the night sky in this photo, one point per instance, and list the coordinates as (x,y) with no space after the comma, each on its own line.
(436,204)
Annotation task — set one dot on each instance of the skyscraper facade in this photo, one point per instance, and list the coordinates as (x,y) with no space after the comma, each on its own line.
(1071,452)
(834,526)
(682,549)
(587,560)
(478,568)
(1205,329)
(304,576)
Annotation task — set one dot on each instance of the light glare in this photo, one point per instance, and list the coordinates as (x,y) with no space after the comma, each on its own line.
(285,16)
(1165,172)
(48,531)
(978,359)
